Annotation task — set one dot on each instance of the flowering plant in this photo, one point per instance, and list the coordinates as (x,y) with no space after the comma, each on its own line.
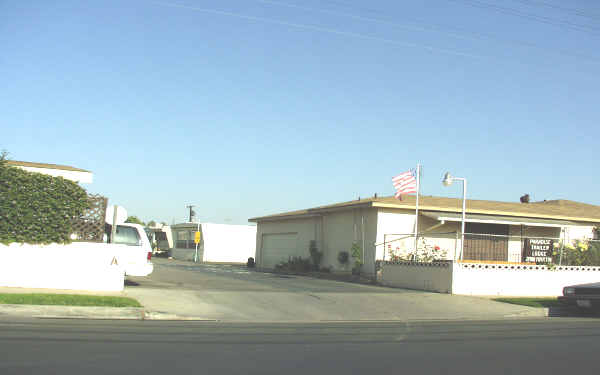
(425,253)
(578,253)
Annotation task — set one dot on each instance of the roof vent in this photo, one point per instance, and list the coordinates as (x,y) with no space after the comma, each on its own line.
(525,198)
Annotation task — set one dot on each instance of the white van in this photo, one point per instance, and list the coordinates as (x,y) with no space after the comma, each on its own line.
(136,256)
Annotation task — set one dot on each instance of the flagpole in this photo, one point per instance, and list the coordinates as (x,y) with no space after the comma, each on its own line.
(417,207)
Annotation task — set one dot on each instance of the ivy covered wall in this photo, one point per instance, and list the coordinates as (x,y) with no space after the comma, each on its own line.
(36,208)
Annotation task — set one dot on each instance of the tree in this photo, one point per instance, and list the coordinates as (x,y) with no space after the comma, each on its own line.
(152,223)
(3,157)
(134,220)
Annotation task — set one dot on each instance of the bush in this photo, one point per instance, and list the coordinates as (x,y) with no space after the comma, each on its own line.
(343,257)
(36,208)
(295,264)
(356,251)
(315,254)
(582,253)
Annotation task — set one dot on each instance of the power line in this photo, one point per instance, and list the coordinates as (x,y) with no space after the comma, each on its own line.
(323,29)
(576,12)
(529,16)
(434,28)
(345,33)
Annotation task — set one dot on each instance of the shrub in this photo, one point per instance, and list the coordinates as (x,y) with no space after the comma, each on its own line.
(356,252)
(315,254)
(294,264)
(36,208)
(343,257)
(581,253)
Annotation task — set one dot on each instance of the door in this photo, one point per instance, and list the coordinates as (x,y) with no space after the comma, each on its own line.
(486,242)
(278,247)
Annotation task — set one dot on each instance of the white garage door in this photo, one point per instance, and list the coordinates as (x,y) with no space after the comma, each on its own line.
(278,248)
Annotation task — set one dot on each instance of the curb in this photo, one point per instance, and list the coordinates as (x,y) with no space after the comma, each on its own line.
(90,312)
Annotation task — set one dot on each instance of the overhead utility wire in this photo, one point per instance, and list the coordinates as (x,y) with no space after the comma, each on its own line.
(534,17)
(438,29)
(573,11)
(322,29)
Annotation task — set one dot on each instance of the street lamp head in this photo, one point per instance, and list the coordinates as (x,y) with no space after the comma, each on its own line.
(447,181)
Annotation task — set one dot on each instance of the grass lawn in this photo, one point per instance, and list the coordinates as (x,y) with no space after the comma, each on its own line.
(532,302)
(67,300)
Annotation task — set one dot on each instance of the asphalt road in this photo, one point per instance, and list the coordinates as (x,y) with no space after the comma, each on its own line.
(235,294)
(549,346)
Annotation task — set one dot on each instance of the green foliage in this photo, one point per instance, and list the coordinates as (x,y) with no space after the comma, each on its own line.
(343,257)
(134,220)
(426,253)
(67,300)
(581,253)
(295,264)
(356,252)
(3,157)
(531,302)
(37,208)
(315,254)
(152,223)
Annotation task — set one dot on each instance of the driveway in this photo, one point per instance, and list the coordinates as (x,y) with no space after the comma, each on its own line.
(234,293)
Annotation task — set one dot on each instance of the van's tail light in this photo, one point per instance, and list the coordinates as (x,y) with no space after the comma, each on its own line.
(149,255)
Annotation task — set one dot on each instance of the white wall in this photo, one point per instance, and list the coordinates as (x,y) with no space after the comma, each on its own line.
(433,277)
(77,176)
(228,243)
(487,279)
(515,280)
(392,225)
(573,233)
(76,266)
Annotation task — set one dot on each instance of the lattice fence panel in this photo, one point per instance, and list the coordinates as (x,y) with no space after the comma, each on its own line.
(89,227)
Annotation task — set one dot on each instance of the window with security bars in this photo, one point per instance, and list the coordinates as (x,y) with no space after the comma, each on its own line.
(486,242)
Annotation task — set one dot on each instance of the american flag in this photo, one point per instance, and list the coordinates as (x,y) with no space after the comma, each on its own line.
(405,183)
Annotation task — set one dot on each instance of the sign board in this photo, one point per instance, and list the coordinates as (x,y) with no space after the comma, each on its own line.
(197,237)
(538,250)
(121,214)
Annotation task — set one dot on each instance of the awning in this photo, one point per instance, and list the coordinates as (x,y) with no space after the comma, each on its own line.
(497,219)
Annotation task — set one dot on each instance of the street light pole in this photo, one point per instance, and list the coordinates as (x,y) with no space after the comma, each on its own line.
(448,180)
(464,210)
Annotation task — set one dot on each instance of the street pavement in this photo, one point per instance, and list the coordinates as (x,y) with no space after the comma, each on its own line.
(235,294)
(542,346)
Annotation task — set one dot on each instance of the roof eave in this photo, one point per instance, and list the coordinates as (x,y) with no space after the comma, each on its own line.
(491,212)
(313,212)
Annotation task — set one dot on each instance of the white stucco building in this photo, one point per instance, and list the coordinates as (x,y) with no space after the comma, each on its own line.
(383,227)
(64,171)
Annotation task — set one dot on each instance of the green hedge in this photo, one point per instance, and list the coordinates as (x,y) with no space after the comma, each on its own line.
(36,208)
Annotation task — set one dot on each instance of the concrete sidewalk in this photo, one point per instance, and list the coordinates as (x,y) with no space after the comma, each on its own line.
(188,291)
(236,294)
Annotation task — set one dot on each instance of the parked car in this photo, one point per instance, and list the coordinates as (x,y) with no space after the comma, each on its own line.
(584,296)
(137,254)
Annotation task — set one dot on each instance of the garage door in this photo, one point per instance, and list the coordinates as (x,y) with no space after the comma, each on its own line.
(278,248)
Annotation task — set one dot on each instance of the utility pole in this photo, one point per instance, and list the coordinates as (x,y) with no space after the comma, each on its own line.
(192,213)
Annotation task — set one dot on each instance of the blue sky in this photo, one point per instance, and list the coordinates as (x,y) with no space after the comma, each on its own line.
(246,108)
